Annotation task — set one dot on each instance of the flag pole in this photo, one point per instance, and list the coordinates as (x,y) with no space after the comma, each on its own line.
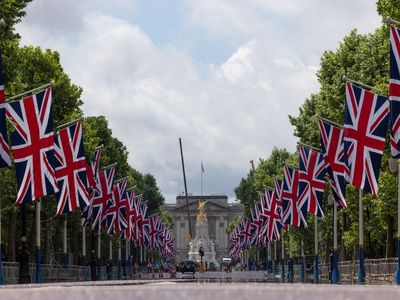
(201,179)
(8,100)
(1,253)
(269,264)
(65,262)
(398,224)
(110,256)
(335,268)
(38,275)
(303,263)
(283,259)
(99,254)
(360,84)
(361,254)
(316,272)
(275,269)
(128,256)
(291,261)
(186,194)
(119,260)
(84,260)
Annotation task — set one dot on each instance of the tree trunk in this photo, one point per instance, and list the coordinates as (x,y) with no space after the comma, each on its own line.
(11,234)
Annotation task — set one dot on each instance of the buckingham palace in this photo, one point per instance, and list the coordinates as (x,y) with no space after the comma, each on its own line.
(219,213)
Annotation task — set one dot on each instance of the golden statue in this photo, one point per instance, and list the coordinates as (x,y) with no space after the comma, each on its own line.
(201,215)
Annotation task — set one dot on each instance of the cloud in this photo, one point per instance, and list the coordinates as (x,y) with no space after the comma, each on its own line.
(226,113)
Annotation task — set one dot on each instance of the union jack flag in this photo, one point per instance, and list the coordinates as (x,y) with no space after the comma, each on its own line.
(394,92)
(245,233)
(366,121)
(115,214)
(70,166)
(154,232)
(5,160)
(92,172)
(130,213)
(257,224)
(102,197)
(168,243)
(333,149)
(312,168)
(143,224)
(292,214)
(33,146)
(273,220)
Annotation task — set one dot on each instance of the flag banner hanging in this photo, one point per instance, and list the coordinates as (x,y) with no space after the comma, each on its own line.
(70,166)
(92,173)
(154,232)
(143,224)
(333,150)
(366,121)
(103,197)
(273,220)
(312,170)
(246,233)
(292,214)
(5,160)
(130,213)
(394,91)
(33,146)
(115,214)
(257,223)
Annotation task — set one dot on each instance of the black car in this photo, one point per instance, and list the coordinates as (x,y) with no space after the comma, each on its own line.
(187,266)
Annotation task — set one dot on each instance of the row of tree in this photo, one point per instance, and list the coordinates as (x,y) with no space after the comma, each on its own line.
(28,67)
(365,58)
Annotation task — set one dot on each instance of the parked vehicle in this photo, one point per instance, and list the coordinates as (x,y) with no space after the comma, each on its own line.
(187,266)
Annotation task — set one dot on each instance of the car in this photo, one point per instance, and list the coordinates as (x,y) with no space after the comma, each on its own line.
(187,266)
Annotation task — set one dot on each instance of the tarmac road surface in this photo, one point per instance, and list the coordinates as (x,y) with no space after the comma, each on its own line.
(204,286)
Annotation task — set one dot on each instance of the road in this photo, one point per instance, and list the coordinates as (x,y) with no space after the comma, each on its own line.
(204,286)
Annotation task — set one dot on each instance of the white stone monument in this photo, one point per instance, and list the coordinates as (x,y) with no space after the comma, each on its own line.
(202,239)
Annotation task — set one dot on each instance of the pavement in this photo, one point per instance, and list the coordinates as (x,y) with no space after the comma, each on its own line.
(210,286)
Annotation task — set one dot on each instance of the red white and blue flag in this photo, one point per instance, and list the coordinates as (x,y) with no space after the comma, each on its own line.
(5,160)
(273,220)
(103,197)
(33,146)
(154,232)
(245,233)
(115,214)
(394,91)
(257,223)
(366,121)
(312,168)
(129,212)
(70,166)
(292,214)
(92,172)
(333,149)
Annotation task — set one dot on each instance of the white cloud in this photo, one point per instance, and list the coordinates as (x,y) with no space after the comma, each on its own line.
(226,114)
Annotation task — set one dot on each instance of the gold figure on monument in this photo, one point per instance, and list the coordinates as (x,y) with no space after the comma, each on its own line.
(201,215)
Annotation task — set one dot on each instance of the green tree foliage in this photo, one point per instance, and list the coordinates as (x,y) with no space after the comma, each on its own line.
(29,67)
(365,58)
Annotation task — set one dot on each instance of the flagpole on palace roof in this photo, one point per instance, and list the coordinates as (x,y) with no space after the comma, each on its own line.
(29,92)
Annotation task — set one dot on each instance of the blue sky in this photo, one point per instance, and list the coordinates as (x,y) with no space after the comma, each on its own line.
(221,74)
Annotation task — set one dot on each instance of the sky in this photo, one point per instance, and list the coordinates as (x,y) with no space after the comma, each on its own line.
(221,74)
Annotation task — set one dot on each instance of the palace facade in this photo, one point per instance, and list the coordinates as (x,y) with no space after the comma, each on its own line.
(219,213)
